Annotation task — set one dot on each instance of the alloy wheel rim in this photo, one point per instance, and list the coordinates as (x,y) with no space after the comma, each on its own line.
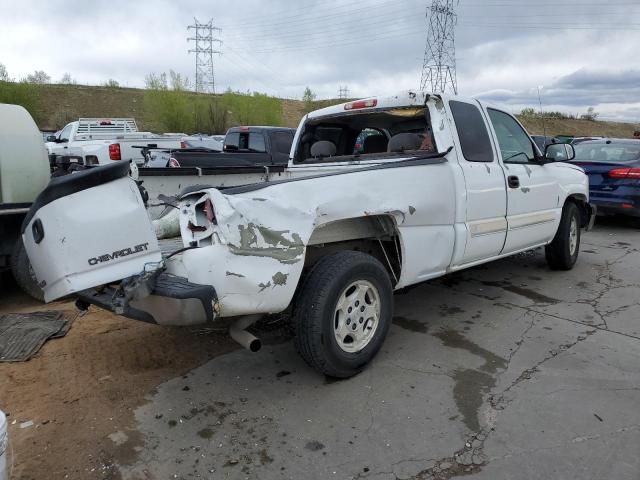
(357,316)
(573,236)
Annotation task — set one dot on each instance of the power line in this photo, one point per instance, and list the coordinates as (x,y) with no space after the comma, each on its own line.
(303,33)
(439,64)
(203,48)
(311,15)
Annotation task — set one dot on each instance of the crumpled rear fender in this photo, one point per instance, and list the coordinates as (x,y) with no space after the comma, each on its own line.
(253,252)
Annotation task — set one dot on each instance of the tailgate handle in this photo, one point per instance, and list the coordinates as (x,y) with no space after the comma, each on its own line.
(513,181)
(38,231)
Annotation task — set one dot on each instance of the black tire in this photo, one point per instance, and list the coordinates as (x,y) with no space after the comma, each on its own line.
(559,254)
(315,312)
(23,272)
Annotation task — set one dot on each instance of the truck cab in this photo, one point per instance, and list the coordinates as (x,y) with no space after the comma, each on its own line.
(99,141)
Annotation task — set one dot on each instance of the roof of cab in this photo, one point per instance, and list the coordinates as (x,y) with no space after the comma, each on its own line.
(256,128)
(403,99)
(613,141)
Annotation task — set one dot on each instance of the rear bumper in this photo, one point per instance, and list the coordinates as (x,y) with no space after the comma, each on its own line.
(623,201)
(629,208)
(161,299)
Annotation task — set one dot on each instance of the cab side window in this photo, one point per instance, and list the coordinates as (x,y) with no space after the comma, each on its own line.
(283,141)
(66,133)
(256,143)
(472,132)
(515,144)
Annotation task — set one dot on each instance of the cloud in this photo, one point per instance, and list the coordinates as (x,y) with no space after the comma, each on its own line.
(616,94)
(375,47)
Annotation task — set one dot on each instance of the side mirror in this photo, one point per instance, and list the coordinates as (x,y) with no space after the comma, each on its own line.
(51,138)
(559,152)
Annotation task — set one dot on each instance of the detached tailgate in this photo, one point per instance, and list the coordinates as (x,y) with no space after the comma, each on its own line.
(89,229)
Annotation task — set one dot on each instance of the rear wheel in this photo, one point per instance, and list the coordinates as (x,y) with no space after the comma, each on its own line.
(562,252)
(343,313)
(23,272)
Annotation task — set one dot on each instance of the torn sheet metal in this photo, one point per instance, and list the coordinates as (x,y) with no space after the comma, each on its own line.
(253,252)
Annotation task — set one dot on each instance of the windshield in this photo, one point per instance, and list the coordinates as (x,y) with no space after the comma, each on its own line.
(607,153)
(366,135)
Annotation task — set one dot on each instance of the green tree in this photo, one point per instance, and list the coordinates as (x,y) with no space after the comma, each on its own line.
(20,93)
(308,97)
(177,109)
(529,112)
(154,81)
(178,82)
(171,107)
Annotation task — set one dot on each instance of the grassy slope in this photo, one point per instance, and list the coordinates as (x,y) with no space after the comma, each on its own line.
(59,104)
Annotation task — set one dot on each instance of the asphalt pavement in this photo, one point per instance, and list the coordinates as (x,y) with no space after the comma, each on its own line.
(505,371)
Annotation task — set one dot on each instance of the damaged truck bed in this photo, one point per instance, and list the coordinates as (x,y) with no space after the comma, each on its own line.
(440,184)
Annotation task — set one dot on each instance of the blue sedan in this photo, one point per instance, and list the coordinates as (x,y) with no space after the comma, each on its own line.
(613,167)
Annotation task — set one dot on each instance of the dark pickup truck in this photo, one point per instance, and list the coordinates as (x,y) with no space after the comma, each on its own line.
(243,146)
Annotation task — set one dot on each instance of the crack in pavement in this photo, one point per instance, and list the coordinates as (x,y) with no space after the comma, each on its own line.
(570,320)
(471,458)
(607,280)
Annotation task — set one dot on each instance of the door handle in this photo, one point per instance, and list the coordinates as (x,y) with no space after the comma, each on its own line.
(513,181)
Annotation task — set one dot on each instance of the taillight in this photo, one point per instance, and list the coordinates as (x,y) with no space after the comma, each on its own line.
(173,163)
(114,151)
(208,211)
(372,102)
(633,173)
(183,144)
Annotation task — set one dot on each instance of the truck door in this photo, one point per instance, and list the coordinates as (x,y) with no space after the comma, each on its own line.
(62,145)
(533,209)
(485,199)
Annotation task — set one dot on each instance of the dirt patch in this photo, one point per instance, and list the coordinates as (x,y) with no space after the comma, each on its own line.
(80,391)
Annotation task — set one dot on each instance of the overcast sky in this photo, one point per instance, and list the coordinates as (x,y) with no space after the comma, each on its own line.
(582,52)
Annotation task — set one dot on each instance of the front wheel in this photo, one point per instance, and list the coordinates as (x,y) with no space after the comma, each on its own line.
(562,252)
(343,313)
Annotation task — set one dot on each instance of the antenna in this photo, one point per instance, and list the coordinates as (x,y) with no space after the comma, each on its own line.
(544,123)
(439,65)
(203,48)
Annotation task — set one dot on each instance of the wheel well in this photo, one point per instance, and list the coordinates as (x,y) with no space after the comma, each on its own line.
(376,235)
(583,207)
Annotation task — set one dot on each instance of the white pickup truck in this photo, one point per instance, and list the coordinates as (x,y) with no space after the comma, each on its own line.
(99,141)
(440,184)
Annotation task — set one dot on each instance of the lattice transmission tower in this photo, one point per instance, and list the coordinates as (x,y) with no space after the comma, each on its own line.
(439,66)
(343,92)
(204,41)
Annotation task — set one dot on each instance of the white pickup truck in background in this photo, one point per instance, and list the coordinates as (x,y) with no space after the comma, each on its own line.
(99,141)
(439,185)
